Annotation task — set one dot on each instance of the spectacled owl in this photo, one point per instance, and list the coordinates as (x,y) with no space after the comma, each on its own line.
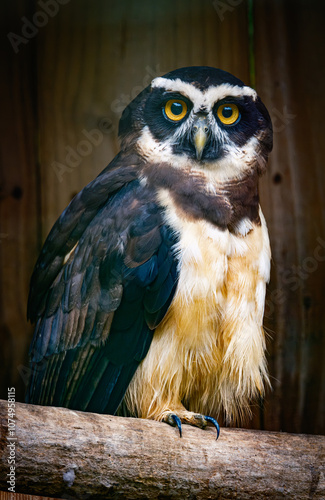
(148,295)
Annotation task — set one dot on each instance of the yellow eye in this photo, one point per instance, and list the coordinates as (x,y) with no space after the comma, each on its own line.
(175,110)
(228,114)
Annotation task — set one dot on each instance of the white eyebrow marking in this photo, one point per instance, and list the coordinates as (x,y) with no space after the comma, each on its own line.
(200,98)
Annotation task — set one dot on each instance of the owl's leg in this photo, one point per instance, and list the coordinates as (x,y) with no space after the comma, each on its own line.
(181,415)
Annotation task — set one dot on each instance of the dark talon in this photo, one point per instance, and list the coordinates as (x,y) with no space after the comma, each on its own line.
(178,422)
(214,422)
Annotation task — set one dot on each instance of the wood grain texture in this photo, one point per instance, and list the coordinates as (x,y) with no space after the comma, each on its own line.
(19,195)
(71,454)
(290,79)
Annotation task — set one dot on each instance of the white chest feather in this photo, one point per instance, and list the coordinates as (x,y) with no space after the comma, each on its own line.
(199,301)
(209,349)
(210,261)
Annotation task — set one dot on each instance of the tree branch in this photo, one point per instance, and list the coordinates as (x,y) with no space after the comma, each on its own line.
(71,454)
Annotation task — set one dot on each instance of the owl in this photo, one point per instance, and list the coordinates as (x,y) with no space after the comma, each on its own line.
(148,295)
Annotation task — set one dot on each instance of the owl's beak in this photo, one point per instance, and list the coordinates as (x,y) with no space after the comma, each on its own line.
(200,135)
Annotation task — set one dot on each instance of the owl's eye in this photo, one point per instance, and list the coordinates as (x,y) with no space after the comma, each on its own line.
(228,114)
(175,110)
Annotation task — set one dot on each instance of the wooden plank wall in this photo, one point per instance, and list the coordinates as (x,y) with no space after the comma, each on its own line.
(20,236)
(73,78)
(289,50)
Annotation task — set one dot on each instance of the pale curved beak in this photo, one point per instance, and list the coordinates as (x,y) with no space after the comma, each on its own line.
(200,135)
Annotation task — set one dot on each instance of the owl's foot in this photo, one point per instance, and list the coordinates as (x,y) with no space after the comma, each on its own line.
(174,420)
(213,422)
(188,417)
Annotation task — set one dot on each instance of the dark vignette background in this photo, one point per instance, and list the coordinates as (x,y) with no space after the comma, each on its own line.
(69,67)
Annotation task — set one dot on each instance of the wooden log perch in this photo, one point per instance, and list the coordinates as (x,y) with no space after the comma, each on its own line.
(69,454)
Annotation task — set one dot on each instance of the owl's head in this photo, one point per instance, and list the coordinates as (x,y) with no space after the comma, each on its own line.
(200,118)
